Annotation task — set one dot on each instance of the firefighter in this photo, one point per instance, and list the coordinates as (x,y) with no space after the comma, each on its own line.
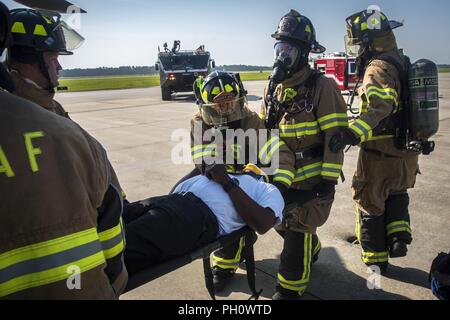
(37,42)
(61,233)
(384,172)
(308,109)
(223,108)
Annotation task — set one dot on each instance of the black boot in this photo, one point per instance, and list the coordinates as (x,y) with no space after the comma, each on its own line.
(221,278)
(398,249)
(284,294)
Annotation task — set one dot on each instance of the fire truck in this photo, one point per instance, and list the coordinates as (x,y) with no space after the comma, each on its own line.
(340,67)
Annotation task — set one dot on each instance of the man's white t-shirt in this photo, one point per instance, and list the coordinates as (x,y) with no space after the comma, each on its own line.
(213,195)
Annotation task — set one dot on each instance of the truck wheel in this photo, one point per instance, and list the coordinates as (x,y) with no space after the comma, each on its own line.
(166,94)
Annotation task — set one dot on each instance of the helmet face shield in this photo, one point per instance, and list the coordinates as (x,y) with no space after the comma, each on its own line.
(73,39)
(286,53)
(352,46)
(226,108)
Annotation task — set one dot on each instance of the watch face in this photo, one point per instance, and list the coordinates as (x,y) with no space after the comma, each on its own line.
(235,182)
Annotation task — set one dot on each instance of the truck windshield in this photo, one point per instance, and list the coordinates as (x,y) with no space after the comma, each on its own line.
(185,62)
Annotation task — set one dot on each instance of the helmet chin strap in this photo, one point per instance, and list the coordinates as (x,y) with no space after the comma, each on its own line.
(44,70)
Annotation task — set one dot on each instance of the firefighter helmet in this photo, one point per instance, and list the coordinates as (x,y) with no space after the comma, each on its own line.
(33,33)
(363,27)
(299,29)
(221,98)
(5,22)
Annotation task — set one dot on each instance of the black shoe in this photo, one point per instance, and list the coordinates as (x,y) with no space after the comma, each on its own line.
(221,278)
(398,249)
(284,294)
(315,258)
(383,267)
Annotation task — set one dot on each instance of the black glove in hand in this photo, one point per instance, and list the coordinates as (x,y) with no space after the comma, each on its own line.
(281,187)
(325,188)
(342,139)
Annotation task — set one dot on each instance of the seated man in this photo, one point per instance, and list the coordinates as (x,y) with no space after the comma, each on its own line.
(199,211)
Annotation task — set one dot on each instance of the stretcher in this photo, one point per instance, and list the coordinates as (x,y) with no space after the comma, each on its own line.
(204,253)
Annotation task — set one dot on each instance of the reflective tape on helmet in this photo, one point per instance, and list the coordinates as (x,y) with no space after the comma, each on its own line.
(39,30)
(18,27)
(48,262)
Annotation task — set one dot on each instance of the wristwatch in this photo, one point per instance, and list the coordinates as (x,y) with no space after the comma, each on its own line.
(230,185)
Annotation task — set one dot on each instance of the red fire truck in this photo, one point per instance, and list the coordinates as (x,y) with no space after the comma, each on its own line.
(340,67)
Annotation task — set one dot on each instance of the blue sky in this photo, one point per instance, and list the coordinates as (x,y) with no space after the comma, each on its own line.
(128,32)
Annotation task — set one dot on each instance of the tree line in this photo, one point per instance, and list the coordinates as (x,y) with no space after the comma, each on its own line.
(143,70)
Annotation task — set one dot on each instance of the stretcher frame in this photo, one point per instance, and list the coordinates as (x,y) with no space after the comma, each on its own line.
(204,253)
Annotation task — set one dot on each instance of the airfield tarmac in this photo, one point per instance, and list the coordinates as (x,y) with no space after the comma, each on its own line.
(136,129)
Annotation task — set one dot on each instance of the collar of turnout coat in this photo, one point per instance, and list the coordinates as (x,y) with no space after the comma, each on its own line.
(29,90)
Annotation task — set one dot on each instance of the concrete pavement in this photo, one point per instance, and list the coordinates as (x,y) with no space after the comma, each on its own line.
(136,128)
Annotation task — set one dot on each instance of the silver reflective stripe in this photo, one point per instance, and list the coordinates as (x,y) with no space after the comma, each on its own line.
(49,262)
(111,243)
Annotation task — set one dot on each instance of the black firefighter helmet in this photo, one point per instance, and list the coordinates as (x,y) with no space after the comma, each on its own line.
(33,33)
(221,98)
(299,29)
(5,22)
(364,26)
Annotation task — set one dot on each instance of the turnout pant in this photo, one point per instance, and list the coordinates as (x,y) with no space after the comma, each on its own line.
(304,213)
(382,216)
(159,229)
(229,257)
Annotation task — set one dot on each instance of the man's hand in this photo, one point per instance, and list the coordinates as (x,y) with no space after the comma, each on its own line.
(342,139)
(217,173)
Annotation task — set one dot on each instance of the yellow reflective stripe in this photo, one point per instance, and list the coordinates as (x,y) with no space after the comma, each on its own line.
(203,154)
(362,129)
(267,151)
(308,172)
(375,257)
(273,150)
(39,30)
(203,146)
(358,224)
(299,130)
(50,276)
(385,91)
(333,120)
(284,176)
(364,26)
(331,170)
(232,264)
(18,27)
(318,247)
(384,97)
(284,180)
(398,226)
(113,252)
(111,233)
(46,248)
(293,283)
(332,116)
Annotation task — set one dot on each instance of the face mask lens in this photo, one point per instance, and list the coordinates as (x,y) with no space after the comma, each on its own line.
(286,53)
